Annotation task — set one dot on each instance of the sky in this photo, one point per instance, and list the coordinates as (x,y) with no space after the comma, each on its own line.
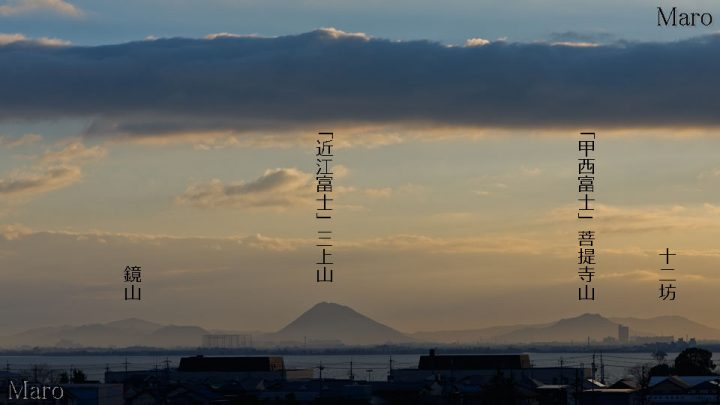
(180,137)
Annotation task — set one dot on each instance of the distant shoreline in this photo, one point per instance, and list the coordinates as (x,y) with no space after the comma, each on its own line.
(356,350)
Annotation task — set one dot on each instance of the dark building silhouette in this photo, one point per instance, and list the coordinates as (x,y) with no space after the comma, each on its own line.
(473,362)
(623,334)
(230,364)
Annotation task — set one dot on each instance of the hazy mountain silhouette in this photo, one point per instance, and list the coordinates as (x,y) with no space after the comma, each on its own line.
(669,326)
(72,336)
(122,333)
(576,329)
(328,324)
(136,324)
(596,327)
(333,322)
(173,335)
(480,335)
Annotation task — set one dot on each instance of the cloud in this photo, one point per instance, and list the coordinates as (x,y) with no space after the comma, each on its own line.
(276,188)
(327,78)
(712,209)
(576,44)
(715,172)
(496,244)
(383,192)
(339,34)
(340,171)
(221,35)
(26,139)
(628,220)
(23,184)
(14,231)
(476,42)
(531,172)
(11,38)
(453,216)
(581,37)
(74,152)
(279,188)
(12,7)
(487,184)
(6,39)
(259,241)
(55,169)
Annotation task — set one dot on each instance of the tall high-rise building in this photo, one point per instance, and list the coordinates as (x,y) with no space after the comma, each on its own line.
(623,334)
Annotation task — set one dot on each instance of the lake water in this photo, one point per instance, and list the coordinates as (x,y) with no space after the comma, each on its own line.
(374,367)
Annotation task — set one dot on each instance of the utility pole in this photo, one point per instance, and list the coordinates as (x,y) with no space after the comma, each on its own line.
(602,369)
(592,386)
(352,376)
(643,384)
(578,382)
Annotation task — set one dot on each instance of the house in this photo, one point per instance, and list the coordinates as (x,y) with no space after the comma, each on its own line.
(515,367)
(218,370)
(92,394)
(676,390)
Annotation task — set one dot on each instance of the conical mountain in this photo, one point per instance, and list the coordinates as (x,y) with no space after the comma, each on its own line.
(333,322)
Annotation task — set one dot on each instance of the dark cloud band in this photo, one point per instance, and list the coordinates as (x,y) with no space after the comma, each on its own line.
(322,77)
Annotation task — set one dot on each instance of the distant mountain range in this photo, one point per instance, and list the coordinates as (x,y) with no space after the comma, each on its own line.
(324,324)
(575,330)
(669,326)
(327,324)
(123,333)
